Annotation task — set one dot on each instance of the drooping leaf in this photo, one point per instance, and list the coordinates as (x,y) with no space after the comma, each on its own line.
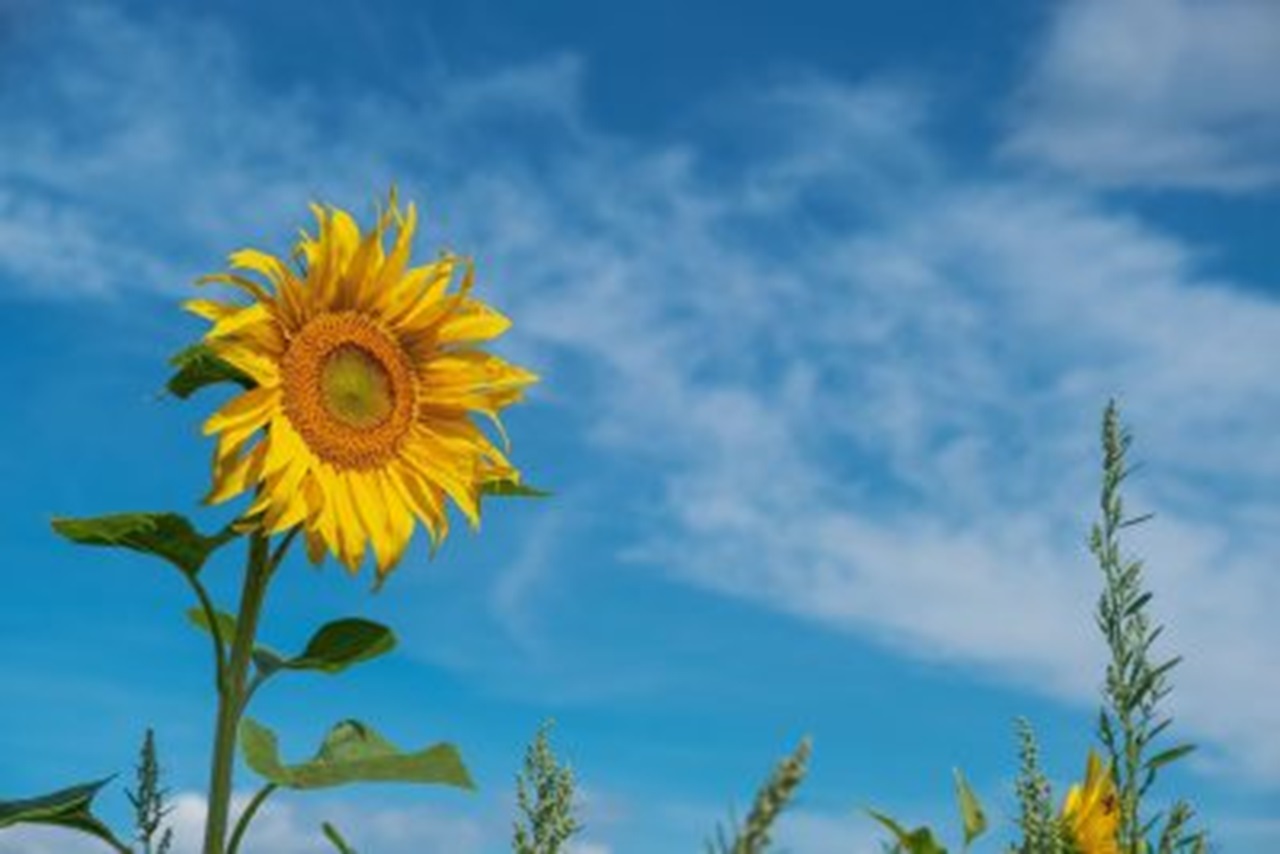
(331,833)
(918,841)
(971,813)
(69,808)
(342,643)
(352,752)
(198,366)
(507,488)
(169,536)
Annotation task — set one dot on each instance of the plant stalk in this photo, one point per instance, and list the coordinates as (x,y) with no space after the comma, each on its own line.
(231,692)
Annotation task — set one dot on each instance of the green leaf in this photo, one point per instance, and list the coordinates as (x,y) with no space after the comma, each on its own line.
(267,661)
(226,623)
(918,841)
(331,834)
(342,643)
(507,488)
(1167,756)
(198,366)
(1136,604)
(352,752)
(971,814)
(332,649)
(165,535)
(69,808)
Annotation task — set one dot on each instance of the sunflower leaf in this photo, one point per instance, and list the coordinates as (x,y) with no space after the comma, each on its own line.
(226,622)
(352,752)
(166,535)
(267,660)
(342,643)
(198,366)
(69,808)
(509,488)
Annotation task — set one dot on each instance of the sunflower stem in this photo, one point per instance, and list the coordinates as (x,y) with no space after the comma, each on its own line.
(231,690)
(215,631)
(250,811)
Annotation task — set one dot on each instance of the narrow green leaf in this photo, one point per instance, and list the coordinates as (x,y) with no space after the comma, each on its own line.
(198,366)
(331,833)
(1151,734)
(1166,756)
(1137,604)
(971,814)
(165,535)
(918,841)
(352,752)
(507,488)
(69,808)
(342,643)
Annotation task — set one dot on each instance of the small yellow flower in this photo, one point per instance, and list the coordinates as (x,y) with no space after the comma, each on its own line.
(367,378)
(1092,810)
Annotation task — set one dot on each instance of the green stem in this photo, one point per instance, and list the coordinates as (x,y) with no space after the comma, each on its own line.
(116,844)
(231,692)
(247,816)
(215,631)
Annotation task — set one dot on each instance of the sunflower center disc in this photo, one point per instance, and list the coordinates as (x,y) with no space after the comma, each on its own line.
(356,388)
(348,390)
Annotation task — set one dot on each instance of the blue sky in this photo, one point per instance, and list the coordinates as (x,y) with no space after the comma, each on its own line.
(826,301)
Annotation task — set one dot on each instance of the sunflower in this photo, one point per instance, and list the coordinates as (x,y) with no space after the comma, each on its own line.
(1091,810)
(366,382)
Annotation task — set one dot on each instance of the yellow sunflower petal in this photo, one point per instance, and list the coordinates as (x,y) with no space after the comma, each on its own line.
(233,475)
(249,286)
(473,321)
(245,412)
(211,309)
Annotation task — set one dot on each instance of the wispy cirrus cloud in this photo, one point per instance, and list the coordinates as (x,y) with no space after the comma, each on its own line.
(1156,93)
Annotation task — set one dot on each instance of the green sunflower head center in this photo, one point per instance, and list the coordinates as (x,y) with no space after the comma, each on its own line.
(356,388)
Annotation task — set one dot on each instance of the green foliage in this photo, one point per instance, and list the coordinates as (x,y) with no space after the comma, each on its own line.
(753,836)
(197,366)
(507,488)
(544,793)
(334,647)
(1042,830)
(972,818)
(149,808)
(331,833)
(70,808)
(973,823)
(352,752)
(342,643)
(1134,685)
(226,623)
(918,841)
(169,536)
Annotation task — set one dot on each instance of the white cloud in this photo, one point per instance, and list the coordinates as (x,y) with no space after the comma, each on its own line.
(1156,93)
(869,391)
